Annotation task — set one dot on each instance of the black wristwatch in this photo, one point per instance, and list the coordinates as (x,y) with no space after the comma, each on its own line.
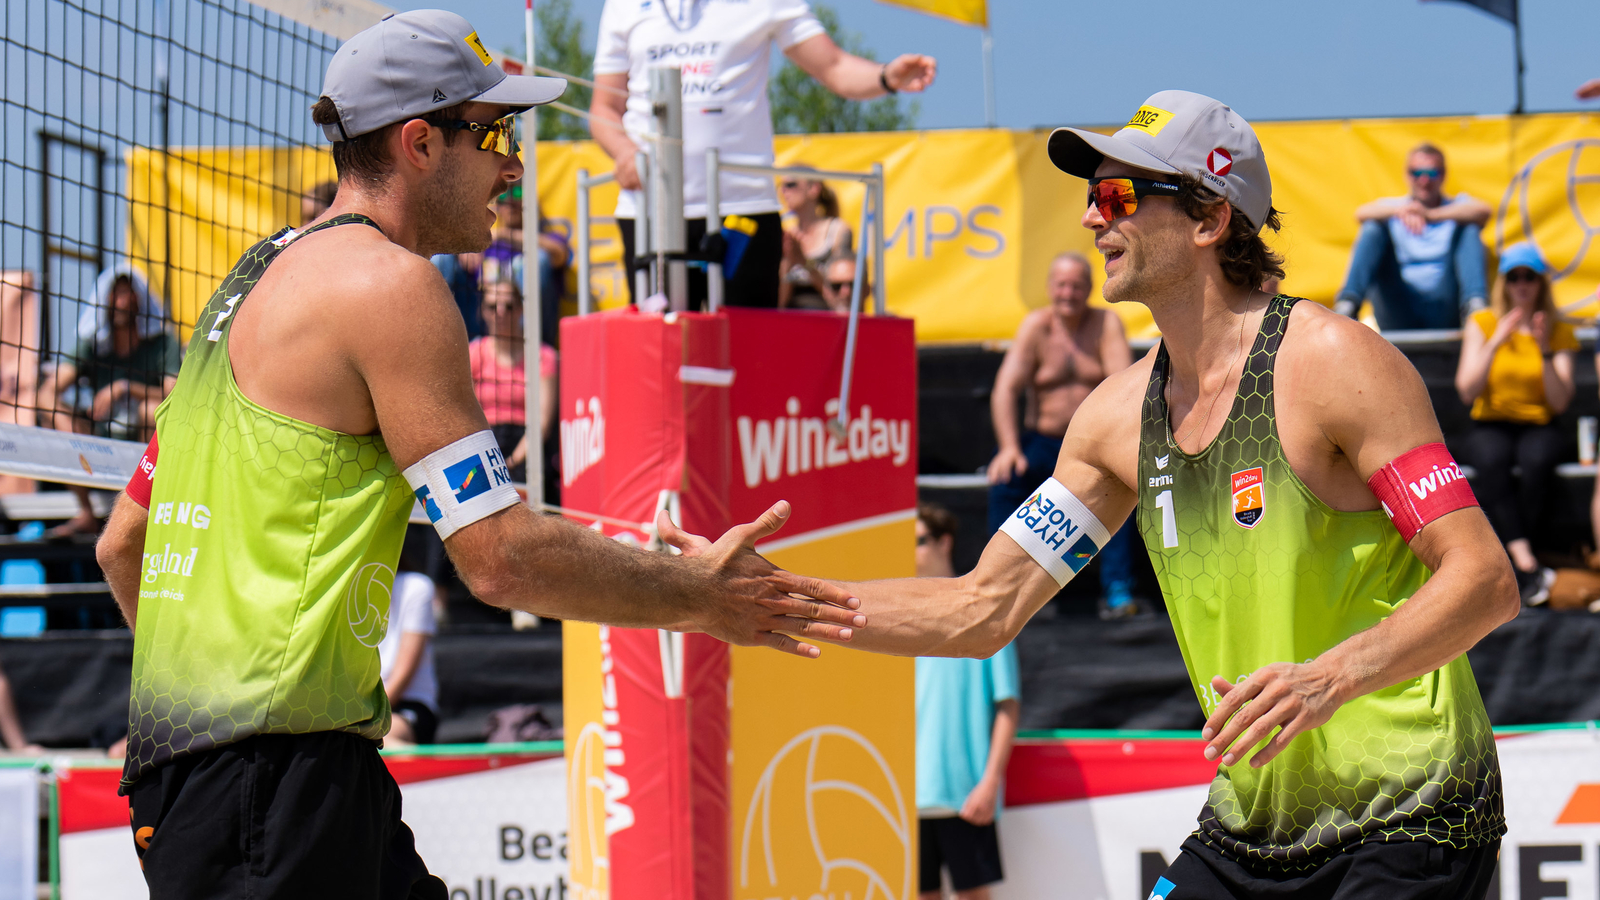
(883,79)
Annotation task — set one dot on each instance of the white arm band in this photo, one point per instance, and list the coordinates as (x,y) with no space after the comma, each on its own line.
(1057,530)
(462,483)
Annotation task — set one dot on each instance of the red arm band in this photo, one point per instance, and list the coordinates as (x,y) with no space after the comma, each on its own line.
(1419,486)
(138,489)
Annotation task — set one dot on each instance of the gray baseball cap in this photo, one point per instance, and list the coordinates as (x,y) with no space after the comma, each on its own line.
(413,63)
(1179,132)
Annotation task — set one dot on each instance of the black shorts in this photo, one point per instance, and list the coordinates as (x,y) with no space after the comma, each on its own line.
(1410,870)
(971,853)
(754,283)
(278,816)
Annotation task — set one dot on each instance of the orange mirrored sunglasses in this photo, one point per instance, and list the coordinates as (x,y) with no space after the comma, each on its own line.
(497,135)
(1117,198)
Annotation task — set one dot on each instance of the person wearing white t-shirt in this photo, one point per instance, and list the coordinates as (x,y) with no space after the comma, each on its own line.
(724,48)
(406,658)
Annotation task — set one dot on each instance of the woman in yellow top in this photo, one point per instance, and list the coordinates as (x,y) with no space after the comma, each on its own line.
(1516,372)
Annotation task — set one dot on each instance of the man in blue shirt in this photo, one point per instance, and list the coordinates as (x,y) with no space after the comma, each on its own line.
(1418,258)
(966,722)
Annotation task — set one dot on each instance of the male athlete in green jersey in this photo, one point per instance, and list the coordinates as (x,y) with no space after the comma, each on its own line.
(326,388)
(1313,633)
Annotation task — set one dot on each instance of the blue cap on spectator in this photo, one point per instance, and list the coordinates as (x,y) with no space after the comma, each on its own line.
(1522,254)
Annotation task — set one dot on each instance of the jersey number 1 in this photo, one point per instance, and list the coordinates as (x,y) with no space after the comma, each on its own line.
(1169,520)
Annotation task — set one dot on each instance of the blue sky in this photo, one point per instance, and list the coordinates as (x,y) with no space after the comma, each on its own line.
(1066,61)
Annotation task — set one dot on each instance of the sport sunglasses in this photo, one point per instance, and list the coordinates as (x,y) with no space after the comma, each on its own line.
(1118,198)
(1426,173)
(497,135)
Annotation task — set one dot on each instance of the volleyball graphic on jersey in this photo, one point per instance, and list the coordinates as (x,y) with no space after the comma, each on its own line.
(366,603)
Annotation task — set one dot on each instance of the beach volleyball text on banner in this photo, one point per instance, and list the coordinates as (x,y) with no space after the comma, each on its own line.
(674,743)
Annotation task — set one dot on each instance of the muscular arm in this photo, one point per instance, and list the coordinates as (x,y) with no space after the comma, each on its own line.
(855,78)
(423,401)
(120,551)
(979,613)
(607,108)
(1373,411)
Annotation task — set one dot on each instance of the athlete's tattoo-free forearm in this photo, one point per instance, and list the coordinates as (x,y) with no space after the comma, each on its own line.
(120,551)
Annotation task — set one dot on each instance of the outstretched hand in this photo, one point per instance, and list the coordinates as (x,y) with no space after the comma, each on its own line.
(911,73)
(751,602)
(1289,698)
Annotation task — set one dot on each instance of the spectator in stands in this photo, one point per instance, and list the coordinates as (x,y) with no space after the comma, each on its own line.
(1516,372)
(315,202)
(1060,353)
(967,713)
(503,260)
(406,656)
(500,380)
(125,364)
(1418,258)
(724,50)
(818,238)
(841,276)
(11,724)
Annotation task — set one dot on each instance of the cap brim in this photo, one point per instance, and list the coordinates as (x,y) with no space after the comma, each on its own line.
(524,91)
(1079,153)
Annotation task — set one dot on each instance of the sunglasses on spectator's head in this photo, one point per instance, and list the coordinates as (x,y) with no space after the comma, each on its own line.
(496,134)
(1118,198)
(1434,173)
(1521,274)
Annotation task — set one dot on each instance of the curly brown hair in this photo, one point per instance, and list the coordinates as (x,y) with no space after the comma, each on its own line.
(1245,258)
(365,157)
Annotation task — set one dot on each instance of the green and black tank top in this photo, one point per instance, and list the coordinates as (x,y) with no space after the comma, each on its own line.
(269,559)
(1255,570)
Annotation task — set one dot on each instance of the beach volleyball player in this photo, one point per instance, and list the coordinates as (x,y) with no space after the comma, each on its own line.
(1260,446)
(325,390)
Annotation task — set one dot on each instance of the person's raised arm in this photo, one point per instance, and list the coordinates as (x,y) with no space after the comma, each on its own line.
(1377,409)
(855,78)
(606,109)
(546,565)
(977,614)
(1557,374)
(1477,354)
(1016,370)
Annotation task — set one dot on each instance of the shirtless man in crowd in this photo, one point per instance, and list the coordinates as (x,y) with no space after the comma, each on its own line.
(1060,354)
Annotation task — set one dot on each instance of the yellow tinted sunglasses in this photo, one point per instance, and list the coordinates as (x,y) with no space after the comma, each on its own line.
(497,135)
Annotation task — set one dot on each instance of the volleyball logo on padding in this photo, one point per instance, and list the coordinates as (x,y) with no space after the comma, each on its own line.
(857,837)
(366,603)
(587,845)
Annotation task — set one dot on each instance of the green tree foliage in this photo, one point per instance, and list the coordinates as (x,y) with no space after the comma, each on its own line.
(802,106)
(561,47)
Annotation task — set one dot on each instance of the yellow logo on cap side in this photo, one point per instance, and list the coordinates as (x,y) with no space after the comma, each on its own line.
(1150,120)
(477,47)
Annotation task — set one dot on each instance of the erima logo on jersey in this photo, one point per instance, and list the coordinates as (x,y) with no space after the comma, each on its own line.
(1053,526)
(223,314)
(1161,461)
(1162,889)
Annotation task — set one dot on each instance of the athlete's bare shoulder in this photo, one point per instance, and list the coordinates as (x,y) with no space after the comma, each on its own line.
(1340,381)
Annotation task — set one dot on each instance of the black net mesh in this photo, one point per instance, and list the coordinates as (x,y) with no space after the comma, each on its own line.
(146,145)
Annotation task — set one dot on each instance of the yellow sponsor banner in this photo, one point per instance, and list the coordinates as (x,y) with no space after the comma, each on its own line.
(211,204)
(967,12)
(588,861)
(823,798)
(974,216)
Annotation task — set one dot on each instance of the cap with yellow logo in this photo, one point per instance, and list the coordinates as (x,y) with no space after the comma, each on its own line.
(1178,132)
(413,63)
